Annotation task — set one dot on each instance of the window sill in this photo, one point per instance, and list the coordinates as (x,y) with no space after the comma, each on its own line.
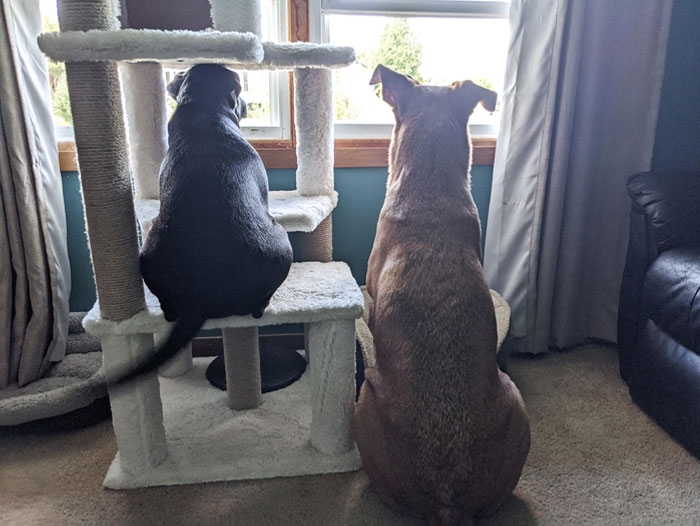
(361,153)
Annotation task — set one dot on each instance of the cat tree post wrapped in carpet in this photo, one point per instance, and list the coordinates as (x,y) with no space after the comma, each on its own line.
(111,223)
(147,131)
(314,176)
(147,123)
(313,88)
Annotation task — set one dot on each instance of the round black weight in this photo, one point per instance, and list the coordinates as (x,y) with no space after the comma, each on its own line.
(279,367)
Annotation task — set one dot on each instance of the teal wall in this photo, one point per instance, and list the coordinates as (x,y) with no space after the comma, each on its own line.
(82,295)
(677,146)
(361,194)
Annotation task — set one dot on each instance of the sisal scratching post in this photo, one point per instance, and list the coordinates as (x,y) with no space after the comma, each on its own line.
(236,15)
(147,123)
(318,245)
(242,360)
(111,224)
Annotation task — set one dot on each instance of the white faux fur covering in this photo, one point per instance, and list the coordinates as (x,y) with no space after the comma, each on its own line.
(296,213)
(146,212)
(239,50)
(143,86)
(207,441)
(236,15)
(313,88)
(152,45)
(291,55)
(312,292)
(287,55)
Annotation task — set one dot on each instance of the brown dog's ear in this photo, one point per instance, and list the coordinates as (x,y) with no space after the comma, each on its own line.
(175,84)
(474,94)
(395,86)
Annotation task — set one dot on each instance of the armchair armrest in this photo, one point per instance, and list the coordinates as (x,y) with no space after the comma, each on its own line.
(671,203)
(665,214)
(641,252)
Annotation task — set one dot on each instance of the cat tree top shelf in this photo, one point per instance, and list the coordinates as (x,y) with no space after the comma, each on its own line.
(312,292)
(295,212)
(239,50)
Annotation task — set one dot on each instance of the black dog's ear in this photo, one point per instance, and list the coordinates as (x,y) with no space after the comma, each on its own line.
(236,84)
(474,94)
(240,108)
(395,86)
(175,84)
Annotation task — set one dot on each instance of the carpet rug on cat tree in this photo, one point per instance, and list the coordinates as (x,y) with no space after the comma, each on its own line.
(207,441)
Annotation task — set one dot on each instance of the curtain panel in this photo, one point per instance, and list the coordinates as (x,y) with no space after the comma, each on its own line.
(580,107)
(34,266)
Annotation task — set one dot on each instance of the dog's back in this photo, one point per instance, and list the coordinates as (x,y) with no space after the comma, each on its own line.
(214,236)
(442,432)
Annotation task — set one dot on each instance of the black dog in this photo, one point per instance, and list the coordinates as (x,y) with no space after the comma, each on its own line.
(214,250)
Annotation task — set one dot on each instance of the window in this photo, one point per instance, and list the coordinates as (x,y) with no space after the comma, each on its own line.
(476,32)
(437,42)
(60,103)
(266,93)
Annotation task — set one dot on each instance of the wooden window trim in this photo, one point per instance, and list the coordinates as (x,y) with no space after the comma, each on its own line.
(349,153)
(361,153)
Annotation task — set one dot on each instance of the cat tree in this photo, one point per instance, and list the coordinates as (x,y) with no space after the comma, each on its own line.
(320,293)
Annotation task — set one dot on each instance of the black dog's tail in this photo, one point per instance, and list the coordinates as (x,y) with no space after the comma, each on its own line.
(185,328)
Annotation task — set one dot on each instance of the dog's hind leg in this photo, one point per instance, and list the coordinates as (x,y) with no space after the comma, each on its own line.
(369,433)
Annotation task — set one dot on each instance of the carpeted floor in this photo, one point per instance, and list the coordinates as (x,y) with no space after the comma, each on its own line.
(595,459)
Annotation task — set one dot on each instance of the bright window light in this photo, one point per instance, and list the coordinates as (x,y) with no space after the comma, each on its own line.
(435,50)
(266,93)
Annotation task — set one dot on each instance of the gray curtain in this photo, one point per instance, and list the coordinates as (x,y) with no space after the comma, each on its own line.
(579,115)
(34,267)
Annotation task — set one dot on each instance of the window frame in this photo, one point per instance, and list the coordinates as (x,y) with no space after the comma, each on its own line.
(281,153)
(320,32)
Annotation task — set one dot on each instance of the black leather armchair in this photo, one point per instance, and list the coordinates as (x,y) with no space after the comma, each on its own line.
(659,315)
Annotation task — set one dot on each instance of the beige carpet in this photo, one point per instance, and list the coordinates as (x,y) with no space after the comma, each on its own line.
(595,459)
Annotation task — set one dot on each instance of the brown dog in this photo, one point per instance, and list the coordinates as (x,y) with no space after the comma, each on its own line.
(443,434)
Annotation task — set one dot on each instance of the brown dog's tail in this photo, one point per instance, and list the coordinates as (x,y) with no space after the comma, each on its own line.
(185,328)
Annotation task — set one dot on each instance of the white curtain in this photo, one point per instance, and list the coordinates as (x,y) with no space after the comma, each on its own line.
(580,106)
(34,266)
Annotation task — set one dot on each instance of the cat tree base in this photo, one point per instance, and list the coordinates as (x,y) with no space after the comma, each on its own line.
(208,442)
(196,437)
